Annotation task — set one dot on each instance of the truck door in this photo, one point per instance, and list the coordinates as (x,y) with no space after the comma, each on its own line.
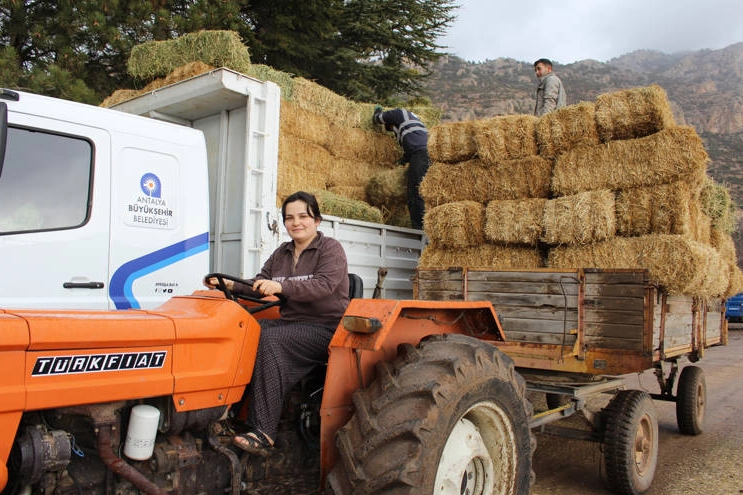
(54,213)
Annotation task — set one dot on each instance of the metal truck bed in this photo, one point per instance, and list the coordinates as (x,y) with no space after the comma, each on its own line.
(592,321)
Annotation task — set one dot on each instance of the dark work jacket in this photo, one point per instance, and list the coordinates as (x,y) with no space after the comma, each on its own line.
(410,132)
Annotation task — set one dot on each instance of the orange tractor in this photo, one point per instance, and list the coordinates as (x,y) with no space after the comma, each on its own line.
(415,399)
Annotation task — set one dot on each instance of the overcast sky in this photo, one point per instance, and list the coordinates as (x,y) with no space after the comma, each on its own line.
(571,30)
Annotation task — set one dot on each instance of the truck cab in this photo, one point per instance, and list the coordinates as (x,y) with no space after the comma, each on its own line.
(98,209)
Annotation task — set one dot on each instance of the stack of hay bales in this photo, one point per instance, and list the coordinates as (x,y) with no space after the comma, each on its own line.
(626,188)
(327,143)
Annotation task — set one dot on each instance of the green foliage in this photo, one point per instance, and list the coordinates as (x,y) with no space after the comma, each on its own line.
(368,50)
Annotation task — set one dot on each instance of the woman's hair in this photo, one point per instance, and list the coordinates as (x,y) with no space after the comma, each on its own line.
(313,208)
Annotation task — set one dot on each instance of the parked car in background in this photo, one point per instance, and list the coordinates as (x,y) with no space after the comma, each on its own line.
(734,308)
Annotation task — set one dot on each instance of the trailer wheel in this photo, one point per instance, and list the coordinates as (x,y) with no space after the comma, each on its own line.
(630,442)
(691,400)
(448,416)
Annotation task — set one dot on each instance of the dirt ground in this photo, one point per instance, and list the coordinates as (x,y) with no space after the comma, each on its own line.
(708,464)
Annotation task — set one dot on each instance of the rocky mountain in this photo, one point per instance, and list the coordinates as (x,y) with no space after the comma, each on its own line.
(705,89)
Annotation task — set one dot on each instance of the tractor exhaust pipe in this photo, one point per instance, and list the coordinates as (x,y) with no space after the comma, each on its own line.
(120,466)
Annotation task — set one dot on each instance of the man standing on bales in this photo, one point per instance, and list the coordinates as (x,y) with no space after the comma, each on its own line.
(412,135)
(550,92)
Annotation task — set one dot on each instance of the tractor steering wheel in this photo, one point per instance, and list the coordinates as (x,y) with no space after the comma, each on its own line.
(262,303)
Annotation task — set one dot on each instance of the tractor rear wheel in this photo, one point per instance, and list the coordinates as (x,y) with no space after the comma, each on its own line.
(448,416)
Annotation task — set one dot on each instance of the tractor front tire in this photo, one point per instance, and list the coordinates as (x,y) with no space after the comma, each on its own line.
(448,416)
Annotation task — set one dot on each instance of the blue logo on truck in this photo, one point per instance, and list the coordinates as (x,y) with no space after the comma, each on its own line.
(120,289)
(150,184)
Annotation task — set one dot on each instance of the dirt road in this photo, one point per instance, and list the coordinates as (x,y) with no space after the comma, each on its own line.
(708,464)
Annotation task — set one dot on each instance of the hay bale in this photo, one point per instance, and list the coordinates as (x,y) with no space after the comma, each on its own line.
(119,96)
(633,113)
(661,209)
(506,137)
(216,48)
(579,219)
(724,244)
(350,173)
(339,206)
(353,143)
(676,263)
(298,161)
(667,156)
(351,192)
(452,142)
(304,124)
(735,285)
(488,256)
(267,73)
(476,181)
(700,224)
(456,225)
(566,128)
(388,187)
(716,202)
(336,108)
(514,221)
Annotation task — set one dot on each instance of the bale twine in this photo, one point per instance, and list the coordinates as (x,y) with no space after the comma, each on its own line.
(667,156)
(676,263)
(661,209)
(514,221)
(452,142)
(633,113)
(566,128)
(476,181)
(582,218)
(339,206)
(456,225)
(505,138)
(216,48)
(487,256)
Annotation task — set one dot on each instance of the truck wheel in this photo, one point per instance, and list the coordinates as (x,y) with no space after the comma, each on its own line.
(691,400)
(630,442)
(448,416)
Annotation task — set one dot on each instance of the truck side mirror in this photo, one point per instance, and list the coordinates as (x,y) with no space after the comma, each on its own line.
(3,133)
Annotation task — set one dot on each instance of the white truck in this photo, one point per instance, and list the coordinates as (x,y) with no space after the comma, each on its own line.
(100,209)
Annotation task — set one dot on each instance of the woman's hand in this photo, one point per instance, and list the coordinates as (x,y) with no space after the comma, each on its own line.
(267,287)
(212,283)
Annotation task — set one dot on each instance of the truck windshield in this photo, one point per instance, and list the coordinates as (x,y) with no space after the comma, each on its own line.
(46,181)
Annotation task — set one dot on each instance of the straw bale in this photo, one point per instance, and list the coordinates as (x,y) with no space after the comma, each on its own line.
(304,124)
(664,157)
(476,181)
(456,225)
(735,285)
(353,173)
(676,263)
(336,108)
(700,224)
(300,165)
(452,141)
(633,113)
(388,187)
(724,244)
(514,221)
(566,128)
(339,206)
(716,202)
(579,219)
(490,256)
(661,209)
(397,215)
(267,73)
(217,48)
(354,143)
(118,96)
(506,137)
(351,192)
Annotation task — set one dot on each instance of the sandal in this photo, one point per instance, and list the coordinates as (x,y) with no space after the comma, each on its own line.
(255,442)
